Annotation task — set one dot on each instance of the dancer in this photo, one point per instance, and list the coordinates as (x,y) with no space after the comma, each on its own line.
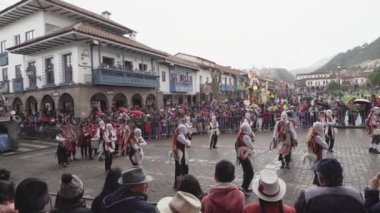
(123,135)
(69,134)
(214,132)
(61,149)
(189,125)
(315,144)
(109,138)
(244,150)
(179,150)
(134,147)
(373,125)
(329,121)
(285,135)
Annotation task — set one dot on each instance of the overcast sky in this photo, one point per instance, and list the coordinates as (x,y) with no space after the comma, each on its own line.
(243,33)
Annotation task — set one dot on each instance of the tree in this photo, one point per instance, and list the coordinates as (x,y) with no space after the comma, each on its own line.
(332,86)
(374,78)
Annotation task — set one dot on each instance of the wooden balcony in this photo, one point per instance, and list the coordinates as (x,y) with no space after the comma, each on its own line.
(177,86)
(18,85)
(105,76)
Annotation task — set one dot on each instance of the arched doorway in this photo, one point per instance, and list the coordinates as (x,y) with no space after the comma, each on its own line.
(99,100)
(31,106)
(66,104)
(119,100)
(150,101)
(137,101)
(47,105)
(17,105)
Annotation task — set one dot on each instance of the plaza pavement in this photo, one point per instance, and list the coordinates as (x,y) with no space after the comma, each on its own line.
(351,149)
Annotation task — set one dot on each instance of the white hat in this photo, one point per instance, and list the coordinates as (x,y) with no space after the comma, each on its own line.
(181,202)
(284,115)
(269,186)
(329,112)
(246,128)
(319,128)
(137,132)
(182,129)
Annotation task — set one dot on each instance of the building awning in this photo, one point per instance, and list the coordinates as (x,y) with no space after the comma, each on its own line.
(84,33)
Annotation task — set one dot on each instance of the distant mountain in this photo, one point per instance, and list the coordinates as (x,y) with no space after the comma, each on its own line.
(312,67)
(277,73)
(353,56)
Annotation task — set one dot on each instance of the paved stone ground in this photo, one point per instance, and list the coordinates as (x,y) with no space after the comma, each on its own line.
(351,149)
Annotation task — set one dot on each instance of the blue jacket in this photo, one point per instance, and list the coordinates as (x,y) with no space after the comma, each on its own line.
(372,202)
(124,200)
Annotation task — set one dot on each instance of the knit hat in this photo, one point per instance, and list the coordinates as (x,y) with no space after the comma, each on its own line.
(71,186)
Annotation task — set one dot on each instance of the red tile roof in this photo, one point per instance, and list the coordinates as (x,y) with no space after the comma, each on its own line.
(181,61)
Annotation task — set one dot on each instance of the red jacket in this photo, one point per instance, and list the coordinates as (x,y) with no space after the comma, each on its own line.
(228,199)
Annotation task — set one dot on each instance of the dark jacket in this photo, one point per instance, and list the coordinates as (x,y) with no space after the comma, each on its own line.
(74,208)
(341,199)
(372,202)
(124,200)
(97,205)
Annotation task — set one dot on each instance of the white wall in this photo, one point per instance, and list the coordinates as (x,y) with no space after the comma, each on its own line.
(8,32)
(57,20)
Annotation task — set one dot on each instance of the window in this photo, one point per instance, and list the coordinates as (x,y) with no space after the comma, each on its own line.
(17,39)
(2,47)
(67,68)
(206,79)
(128,65)
(49,70)
(31,72)
(163,76)
(29,35)
(230,81)
(4,74)
(18,71)
(108,62)
(143,67)
(200,80)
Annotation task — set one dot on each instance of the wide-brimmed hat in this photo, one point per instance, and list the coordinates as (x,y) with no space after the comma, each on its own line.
(134,175)
(269,186)
(181,202)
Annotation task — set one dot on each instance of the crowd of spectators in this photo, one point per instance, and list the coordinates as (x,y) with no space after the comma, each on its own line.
(127,191)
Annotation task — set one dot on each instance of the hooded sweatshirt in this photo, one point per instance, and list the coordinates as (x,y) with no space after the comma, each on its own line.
(224,198)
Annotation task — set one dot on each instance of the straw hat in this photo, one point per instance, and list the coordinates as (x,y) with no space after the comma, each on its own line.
(269,186)
(181,202)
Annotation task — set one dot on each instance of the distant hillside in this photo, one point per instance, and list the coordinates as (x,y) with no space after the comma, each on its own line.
(312,67)
(278,74)
(353,56)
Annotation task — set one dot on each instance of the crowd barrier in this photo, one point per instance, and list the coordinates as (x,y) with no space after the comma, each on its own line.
(229,124)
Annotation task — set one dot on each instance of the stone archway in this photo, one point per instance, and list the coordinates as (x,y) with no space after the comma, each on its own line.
(66,103)
(137,101)
(99,100)
(31,105)
(119,100)
(151,100)
(47,105)
(17,105)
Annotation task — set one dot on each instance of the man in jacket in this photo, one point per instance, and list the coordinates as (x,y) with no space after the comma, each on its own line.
(132,195)
(371,193)
(331,196)
(225,190)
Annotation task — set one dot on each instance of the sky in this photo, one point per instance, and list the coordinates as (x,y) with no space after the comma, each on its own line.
(245,33)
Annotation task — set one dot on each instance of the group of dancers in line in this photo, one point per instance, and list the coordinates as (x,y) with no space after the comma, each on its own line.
(99,138)
(104,139)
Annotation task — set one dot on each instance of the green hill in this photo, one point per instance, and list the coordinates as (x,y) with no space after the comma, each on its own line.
(353,56)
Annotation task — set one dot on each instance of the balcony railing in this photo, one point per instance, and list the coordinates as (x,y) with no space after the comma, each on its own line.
(226,87)
(178,86)
(18,85)
(4,59)
(103,76)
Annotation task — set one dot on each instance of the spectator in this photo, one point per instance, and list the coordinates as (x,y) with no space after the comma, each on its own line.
(331,194)
(372,202)
(132,195)
(70,196)
(191,185)
(225,197)
(110,185)
(32,196)
(270,189)
(181,202)
(7,192)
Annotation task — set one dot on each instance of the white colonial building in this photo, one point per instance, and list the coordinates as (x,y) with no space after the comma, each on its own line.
(56,56)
